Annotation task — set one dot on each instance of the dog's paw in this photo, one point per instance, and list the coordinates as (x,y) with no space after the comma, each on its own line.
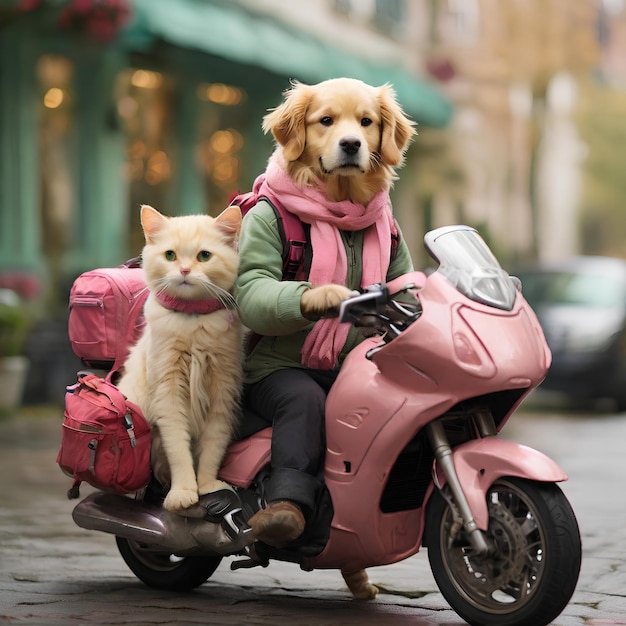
(359,585)
(180,499)
(324,301)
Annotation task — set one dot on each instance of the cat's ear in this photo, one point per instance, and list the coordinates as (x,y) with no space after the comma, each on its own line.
(151,221)
(229,222)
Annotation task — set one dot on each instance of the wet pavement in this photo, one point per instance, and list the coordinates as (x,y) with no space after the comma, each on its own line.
(54,573)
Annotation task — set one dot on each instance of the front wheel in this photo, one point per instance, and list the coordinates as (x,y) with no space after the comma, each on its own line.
(530,573)
(166,571)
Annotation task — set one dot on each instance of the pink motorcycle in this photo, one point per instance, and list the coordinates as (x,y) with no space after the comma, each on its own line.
(413,457)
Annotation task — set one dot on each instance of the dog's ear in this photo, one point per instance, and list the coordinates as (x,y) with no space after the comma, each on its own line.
(286,122)
(397,128)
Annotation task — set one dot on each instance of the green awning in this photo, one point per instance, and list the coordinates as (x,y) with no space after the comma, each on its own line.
(227,30)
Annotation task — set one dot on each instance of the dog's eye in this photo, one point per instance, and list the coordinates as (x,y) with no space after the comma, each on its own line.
(326,121)
(366,121)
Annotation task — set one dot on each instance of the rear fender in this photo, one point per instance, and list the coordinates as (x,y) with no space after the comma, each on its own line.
(246,458)
(480,462)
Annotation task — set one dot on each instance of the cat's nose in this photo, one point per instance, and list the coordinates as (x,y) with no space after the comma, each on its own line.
(184,271)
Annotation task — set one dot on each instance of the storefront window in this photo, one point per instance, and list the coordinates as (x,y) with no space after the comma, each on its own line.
(144,104)
(57,189)
(222,113)
(147,105)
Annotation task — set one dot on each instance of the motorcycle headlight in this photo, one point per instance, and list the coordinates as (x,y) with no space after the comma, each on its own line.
(491,286)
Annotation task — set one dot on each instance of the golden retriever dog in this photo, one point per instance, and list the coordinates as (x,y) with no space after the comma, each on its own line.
(344,137)
(347,135)
(344,133)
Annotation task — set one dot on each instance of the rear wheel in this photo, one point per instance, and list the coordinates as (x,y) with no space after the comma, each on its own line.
(531,573)
(162,570)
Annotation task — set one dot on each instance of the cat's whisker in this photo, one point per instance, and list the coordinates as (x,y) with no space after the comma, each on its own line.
(160,290)
(224,296)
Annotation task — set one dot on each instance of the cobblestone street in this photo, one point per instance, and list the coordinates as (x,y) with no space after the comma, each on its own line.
(54,573)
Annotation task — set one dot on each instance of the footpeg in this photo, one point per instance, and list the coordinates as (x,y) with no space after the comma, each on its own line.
(224,507)
(236,527)
(247,564)
(217,504)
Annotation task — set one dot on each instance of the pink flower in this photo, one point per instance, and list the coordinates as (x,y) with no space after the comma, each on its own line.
(28,5)
(82,6)
(97,18)
(101,29)
(26,285)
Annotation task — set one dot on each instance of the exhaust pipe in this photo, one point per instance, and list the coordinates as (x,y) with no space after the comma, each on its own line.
(156,527)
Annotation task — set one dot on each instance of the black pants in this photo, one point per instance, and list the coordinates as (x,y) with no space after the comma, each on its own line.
(293,402)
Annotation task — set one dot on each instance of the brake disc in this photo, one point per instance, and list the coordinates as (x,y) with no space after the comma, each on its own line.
(506,563)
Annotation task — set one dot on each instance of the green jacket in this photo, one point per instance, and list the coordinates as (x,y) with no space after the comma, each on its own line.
(271,307)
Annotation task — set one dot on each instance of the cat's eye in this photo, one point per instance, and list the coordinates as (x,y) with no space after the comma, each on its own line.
(203,255)
(170,255)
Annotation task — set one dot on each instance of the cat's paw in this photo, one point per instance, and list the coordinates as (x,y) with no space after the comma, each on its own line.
(324,301)
(180,499)
(212,485)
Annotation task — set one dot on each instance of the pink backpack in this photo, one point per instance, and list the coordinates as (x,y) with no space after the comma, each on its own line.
(105,439)
(106,314)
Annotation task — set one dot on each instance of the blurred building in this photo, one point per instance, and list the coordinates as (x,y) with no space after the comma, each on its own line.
(99,115)
(603,127)
(109,104)
(612,37)
(513,71)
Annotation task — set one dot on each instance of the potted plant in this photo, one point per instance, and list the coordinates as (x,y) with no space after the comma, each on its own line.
(14,327)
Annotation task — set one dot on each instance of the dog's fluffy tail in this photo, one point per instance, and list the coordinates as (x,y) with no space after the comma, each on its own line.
(359,585)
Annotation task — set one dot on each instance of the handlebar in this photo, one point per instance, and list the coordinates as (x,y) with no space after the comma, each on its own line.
(380,311)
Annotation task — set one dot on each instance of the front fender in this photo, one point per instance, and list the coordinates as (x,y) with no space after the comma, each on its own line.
(480,462)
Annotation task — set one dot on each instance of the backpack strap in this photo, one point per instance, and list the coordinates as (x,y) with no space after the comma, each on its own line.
(135,262)
(295,241)
(290,229)
(395,240)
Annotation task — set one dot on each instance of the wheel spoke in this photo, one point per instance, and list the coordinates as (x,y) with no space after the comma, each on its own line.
(528,525)
(509,576)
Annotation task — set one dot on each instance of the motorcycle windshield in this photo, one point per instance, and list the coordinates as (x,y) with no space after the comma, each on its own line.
(468,263)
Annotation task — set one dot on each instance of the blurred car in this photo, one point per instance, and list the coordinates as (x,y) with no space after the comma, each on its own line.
(581,305)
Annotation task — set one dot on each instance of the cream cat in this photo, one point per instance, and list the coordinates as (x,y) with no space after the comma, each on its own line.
(185,371)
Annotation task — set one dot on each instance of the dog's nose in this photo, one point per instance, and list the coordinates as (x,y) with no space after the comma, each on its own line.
(350,145)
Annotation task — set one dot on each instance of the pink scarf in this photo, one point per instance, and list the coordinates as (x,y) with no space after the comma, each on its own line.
(323,344)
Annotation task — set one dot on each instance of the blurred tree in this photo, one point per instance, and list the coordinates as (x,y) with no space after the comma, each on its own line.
(505,57)
(603,128)
(543,39)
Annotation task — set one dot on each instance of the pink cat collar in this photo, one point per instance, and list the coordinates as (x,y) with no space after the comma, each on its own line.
(191,307)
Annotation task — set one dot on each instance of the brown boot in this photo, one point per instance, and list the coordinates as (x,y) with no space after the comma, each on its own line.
(278,524)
